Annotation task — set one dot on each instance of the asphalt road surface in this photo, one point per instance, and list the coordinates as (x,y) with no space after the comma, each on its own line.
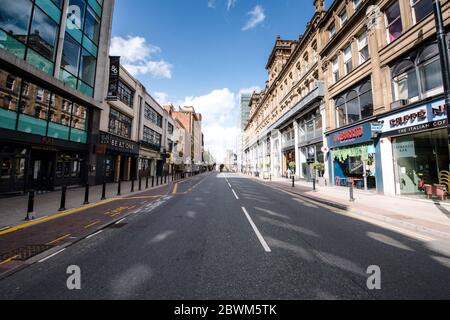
(228,237)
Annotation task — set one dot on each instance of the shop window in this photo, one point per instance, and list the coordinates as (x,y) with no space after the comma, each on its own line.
(9,97)
(393,21)
(354,105)
(421,9)
(418,76)
(363,47)
(119,124)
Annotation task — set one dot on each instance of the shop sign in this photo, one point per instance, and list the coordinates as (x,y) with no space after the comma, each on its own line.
(347,137)
(113,87)
(422,118)
(119,144)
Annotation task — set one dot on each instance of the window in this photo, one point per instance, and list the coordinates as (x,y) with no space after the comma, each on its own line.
(119,124)
(87,70)
(348,59)
(393,21)
(153,116)
(335,69)
(125,94)
(354,105)
(43,35)
(421,9)
(71,55)
(170,128)
(15,17)
(332,30)
(356,4)
(343,17)
(152,138)
(363,47)
(10,82)
(418,76)
(92,26)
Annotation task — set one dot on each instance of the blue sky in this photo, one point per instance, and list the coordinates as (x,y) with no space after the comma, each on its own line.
(204,52)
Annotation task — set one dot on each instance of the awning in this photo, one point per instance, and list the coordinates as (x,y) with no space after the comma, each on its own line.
(362,151)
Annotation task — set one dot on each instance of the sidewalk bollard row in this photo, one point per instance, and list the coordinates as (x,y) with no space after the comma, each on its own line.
(160,180)
(293,181)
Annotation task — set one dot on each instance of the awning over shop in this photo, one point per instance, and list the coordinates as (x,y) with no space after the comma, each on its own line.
(362,151)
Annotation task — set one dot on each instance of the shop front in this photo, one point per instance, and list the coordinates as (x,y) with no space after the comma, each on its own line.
(419,140)
(118,159)
(353,157)
(148,159)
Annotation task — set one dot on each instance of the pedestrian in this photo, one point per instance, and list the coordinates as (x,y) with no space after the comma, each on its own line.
(288,173)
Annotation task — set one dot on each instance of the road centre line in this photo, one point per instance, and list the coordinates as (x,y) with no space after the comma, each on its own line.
(94,234)
(236,196)
(258,234)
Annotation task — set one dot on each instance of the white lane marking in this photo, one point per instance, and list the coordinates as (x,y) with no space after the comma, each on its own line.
(120,221)
(52,255)
(258,234)
(94,234)
(237,198)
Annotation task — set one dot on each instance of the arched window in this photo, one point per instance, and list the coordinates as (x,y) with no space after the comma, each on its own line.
(418,76)
(354,105)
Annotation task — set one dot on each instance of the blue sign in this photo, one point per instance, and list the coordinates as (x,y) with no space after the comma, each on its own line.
(351,136)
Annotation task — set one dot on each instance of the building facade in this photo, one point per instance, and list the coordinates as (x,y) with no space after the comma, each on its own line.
(53,62)
(372,85)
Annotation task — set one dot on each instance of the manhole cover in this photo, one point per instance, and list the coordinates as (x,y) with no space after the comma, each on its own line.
(25,253)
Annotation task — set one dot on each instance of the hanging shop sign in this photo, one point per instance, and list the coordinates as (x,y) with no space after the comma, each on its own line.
(351,136)
(421,118)
(113,87)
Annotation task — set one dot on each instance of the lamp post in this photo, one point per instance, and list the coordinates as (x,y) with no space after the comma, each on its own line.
(444,57)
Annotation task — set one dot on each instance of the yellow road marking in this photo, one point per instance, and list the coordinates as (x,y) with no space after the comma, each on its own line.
(59,239)
(92,224)
(175,188)
(56,216)
(8,260)
(143,197)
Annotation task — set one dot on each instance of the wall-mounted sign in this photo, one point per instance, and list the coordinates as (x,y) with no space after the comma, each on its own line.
(404,149)
(113,87)
(118,144)
(422,118)
(349,134)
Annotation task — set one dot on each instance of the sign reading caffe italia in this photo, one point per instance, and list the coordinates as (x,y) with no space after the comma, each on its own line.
(422,118)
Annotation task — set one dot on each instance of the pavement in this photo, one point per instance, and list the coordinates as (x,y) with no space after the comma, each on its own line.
(419,214)
(219,236)
(14,209)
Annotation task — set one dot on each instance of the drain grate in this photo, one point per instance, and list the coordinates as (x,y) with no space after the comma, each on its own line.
(25,253)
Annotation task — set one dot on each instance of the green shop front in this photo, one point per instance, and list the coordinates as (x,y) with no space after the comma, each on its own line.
(352,157)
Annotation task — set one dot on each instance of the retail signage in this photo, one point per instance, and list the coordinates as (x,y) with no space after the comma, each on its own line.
(119,144)
(405,149)
(351,136)
(422,118)
(114,68)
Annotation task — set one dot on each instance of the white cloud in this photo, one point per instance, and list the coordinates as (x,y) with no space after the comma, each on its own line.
(212,4)
(219,139)
(249,90)
(257,16)
(161,97)
(231,4)
(137,57)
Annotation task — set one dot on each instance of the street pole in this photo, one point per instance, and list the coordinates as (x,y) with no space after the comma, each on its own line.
(445,63)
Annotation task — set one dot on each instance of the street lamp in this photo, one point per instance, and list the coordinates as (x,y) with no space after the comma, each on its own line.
(445,64)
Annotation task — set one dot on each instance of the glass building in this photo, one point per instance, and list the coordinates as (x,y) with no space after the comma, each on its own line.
(52,82)
(245,110)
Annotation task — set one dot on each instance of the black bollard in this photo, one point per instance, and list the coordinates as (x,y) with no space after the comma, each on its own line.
(119,187)
(132,185)
(86,194)
(352,198)
(157,180)
(104,190)
(30,209)
(140,183)
(293,181)
(146,182)
(62,207)
(153,181)
(314,184)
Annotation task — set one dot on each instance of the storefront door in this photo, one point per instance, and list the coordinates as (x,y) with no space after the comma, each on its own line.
(42,170)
